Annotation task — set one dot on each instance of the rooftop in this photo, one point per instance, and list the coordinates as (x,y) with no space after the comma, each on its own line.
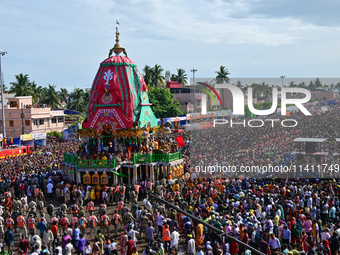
(310,140)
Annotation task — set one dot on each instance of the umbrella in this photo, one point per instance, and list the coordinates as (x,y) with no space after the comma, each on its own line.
(145,134)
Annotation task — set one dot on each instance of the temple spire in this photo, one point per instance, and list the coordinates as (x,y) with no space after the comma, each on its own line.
(117,48)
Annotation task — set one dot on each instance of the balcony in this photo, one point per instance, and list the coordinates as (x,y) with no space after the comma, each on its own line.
(136,158)
(96,163)
(87,163)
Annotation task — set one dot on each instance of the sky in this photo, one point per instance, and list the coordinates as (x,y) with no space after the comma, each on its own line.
(63,42)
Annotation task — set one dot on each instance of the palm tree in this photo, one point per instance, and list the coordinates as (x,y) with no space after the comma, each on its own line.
(182,76)
(36,93)
(63,93)
(22,86)
(52,98)
(147,74)
(157,76)
(222,75)
(4,87)
(292,84)
(86,96)
(302,85)
(77,100)
(265,89)
(173,77)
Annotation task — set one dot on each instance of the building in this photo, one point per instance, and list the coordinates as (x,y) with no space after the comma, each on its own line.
(21,116)
(326,95)
(185,96)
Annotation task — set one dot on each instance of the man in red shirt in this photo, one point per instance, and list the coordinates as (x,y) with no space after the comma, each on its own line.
(23,246)
(234,248)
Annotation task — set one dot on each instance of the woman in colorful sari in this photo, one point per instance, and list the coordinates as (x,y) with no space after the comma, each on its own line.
(210,201)
(282,212)
(315,231)
(306,242)
(199,234)
(299,227)
(293,230)
(98,192)
(288,213)
(92,194)
(180,221)
(190,183)
(326,245)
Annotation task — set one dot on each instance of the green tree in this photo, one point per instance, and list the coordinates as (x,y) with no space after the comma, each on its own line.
(302,85)
(63,93)
(311,85)
(22,85)
(222,75)
(163,103)
(52,97)
(147,70)
(181,76)
(318,83)
(4,87)
(173,77)
(37,93)
(157,76)
(86,96)
(77,100)
(292,84)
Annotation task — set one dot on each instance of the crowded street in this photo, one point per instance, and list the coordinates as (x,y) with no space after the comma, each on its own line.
(43,211)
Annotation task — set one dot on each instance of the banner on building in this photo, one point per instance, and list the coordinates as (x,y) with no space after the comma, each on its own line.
(26,137)
(39,136)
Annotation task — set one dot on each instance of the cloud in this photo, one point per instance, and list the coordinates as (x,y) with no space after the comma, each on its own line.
(319,13)
(62,42)
(205,22)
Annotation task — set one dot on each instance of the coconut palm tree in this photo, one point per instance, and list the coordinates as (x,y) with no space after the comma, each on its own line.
(77,100)
(4,87)
(36,93)
(147,70)
(292,84)
(86,96)
(302,85)
(222,75)
(52,97)
(173,77)
(22,85)
(182,76)
(63,93)
(157,76)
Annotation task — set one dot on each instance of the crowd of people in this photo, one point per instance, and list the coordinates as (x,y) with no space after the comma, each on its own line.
(45,213)
(241,145)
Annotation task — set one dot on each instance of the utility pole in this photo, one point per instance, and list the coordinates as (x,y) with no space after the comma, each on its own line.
(193,79)
(22,115)
(2,53)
